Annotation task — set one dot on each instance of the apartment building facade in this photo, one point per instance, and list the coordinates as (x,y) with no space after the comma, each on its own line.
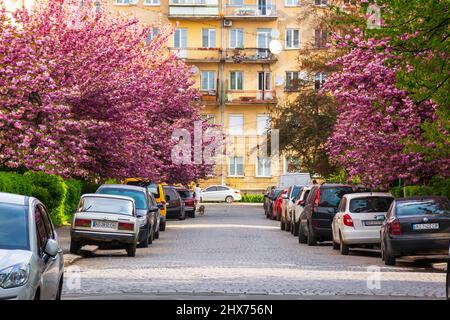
(228,43)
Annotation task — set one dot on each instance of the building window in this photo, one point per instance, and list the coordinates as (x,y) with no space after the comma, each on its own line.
(151,2)
(209,38)
(236,124)
(291,3)
(293,80)
(264,81)
(263,124)
(319,80)
(236,38)
(320,2)
(236,2)
(320,38)
(264,167)
(123,1)
(236,80)
(235,166)
(210,118)
(152,34)
(208,80)
(292,38)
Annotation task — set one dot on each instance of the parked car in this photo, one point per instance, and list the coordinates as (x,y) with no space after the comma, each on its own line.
(158,192)
(188,199)
(300,202)
(175,204)
(267,199)
(272,196)
(221,193)
(277,205)
(447,289)
(32,264)
(320,208)
(358,220)
(416,226)
(147,210)
(108,221)
(287,206)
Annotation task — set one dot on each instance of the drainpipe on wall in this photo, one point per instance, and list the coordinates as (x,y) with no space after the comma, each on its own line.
(222,91)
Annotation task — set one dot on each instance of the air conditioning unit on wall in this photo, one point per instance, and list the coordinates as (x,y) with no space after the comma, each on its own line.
(227,23)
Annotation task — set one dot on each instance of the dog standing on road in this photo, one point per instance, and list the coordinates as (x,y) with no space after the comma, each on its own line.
(201,210)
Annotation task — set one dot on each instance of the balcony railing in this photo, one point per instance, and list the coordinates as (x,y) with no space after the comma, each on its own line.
(210,97)
(250,97)
(194,8)
(251,10)
(200,54)
(239,55)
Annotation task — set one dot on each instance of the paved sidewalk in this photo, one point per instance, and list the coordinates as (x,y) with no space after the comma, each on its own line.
(64,241)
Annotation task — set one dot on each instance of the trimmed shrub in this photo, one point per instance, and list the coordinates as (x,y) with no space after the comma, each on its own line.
(88,187)
(437,187)
(72,196)
(15,183)
(254,198)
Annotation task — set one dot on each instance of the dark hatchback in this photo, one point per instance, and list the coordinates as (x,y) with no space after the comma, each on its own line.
(267,200)
(271,197)
(188,199)
(175,204)
(416,226)
(320,208)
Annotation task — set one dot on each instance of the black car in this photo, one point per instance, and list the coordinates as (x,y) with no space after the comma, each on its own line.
(147,209)
(271,197)
(320,208)
(416,226)
(175,204)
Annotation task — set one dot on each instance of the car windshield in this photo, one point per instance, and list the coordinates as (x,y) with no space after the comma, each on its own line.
(185,193)
(330,197)
(370,204)
(295,192)
(138,196)
(276,193)
(422,207)
(153,188)
(106,205)
(14,227)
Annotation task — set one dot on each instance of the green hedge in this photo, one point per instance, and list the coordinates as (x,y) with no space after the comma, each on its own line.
(437,187)
(59,196)
(255,198)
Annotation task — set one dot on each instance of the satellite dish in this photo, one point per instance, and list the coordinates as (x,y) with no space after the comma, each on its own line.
(275,47)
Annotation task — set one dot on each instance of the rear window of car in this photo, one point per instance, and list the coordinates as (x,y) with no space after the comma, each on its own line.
(276,193)
(370,204)
(14,227)
(138,196)
(185,193)
(423,207)
(295,192)
(330,197)
(153,188)
(106,205)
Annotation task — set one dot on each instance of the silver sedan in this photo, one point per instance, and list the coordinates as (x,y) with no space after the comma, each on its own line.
(31,260)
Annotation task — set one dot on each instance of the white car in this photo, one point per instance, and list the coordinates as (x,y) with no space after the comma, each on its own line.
(287,207)
(359,219)
(31,260)
(220,193)
(108,221)
(299,205)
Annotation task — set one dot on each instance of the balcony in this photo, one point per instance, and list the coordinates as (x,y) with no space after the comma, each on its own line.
(246,11)
(249,55)
(194,9)
(210,98)
(251,97)
(197,55)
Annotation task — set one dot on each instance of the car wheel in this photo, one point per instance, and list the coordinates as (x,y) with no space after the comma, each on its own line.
(162,225)
(295,229)
(151,235)
(282,224)
(37,295)
(229,199)
(192,214)
(287,226)
(311,239)
(157,234)
(146,240)
(74,247)
(59,292)
(183,215)
(389,259)
(131,250)
(343,248)
(301,235)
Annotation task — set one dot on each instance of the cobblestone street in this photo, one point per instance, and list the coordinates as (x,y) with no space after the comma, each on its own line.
(234,249)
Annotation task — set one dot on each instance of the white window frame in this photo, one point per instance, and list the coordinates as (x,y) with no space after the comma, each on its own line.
(321,77)
(262,131)
(152,34)
(235,167)
(210,118)
(296,4)
(209,31)
(123,2)
(292,45)
(292,74)
(232,129)
(237,32)
(208,73)
(152,3)
(263,174)
(236,72)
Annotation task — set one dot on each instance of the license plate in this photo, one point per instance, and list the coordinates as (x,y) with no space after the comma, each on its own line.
(373,222)
(426,226)
(104,225)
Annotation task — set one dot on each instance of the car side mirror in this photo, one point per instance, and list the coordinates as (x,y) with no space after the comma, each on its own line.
(51,248)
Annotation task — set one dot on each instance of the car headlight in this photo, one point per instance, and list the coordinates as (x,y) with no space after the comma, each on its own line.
(14,276)
(142,221)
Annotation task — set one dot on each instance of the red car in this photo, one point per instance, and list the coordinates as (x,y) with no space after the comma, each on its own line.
(276,214)
(188,199)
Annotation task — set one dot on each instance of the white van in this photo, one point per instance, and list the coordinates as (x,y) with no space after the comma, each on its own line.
(290,179)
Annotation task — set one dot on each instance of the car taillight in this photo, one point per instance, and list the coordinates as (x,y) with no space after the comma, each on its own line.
(86,223)
(394,228)
(237,191)
(348,221)
(317,197)
(126,226)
